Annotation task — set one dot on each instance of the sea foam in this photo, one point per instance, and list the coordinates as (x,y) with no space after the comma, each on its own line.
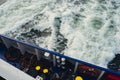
(88,29)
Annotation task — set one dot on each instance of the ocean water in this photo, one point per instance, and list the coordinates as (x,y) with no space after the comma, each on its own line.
(84,29)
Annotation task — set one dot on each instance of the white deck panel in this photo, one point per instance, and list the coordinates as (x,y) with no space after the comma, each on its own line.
(9,72)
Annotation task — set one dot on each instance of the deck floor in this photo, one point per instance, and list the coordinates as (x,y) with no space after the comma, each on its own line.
(3,49)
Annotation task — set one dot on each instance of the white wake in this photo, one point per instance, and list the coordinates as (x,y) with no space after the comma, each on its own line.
(89,29)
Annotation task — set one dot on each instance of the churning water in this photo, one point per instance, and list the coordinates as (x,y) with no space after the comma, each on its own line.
(84,29)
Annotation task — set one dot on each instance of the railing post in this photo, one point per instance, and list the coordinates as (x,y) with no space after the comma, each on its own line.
(37,54)
(101,75)
(6,42)
(76,66)
(21,48)
(54,60)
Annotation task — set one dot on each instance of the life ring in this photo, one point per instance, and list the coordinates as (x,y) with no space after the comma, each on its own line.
(12,54)
(9,57)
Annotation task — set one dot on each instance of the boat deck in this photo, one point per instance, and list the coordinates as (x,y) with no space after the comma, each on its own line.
(25,58)
(67,75)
